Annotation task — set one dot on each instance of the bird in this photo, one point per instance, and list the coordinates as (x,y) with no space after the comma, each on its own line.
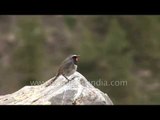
(67,68)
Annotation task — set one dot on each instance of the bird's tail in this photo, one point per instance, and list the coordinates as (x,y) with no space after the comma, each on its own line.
(52,80)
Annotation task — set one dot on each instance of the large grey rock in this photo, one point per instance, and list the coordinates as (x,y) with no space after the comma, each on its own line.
(78,91)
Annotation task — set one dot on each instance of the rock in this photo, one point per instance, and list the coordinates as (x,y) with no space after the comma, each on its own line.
(78,91)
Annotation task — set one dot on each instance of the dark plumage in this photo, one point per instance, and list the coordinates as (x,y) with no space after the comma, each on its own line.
(67,67)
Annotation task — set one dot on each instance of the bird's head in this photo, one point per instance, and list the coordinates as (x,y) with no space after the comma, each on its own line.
(75,58)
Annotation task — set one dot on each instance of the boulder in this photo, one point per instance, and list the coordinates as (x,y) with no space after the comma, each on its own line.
(78,91)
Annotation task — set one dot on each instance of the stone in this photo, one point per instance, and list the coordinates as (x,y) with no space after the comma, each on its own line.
(78,91)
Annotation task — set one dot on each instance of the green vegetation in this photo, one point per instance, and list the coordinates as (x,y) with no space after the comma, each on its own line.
(29,54)
(112,48)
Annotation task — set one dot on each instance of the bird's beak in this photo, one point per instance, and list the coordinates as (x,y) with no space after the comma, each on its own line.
(78,56)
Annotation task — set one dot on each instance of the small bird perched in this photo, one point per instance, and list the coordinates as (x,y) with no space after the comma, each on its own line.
(67,67)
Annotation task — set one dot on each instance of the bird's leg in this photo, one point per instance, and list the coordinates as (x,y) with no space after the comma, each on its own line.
(66,78)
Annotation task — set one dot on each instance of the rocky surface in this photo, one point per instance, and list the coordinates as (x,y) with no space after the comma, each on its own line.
(78,91)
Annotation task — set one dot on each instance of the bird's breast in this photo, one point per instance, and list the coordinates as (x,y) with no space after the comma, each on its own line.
(75,67)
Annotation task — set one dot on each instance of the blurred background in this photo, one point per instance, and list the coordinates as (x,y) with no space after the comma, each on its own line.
(112,48)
